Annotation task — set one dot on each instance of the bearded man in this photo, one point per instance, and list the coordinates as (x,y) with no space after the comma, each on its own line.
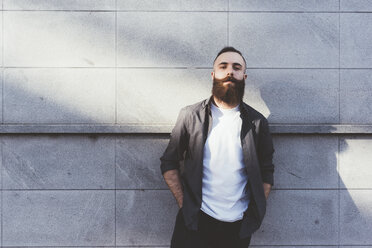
(227,174)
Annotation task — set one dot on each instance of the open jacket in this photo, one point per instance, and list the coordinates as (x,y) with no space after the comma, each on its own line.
(187,143)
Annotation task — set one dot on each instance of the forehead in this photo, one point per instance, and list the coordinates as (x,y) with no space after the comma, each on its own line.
(229,57)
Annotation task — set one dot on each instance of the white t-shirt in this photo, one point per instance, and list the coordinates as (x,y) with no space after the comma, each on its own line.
(224,175)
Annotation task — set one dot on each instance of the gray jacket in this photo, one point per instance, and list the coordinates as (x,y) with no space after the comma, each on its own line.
(187,143)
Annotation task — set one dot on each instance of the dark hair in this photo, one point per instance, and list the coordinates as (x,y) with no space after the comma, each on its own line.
(229,49)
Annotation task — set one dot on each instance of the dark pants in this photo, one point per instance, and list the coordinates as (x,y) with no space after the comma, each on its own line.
(211,233)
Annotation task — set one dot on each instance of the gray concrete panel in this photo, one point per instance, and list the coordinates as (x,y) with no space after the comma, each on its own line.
(291,40)
(294,96)
(59,246)
(1,37)
(355,162)
(157,95)
(67,162)
(70,39)
(59,95)
(305,162)
(145,217)
(155,39)
(57,218)
(355,37)
(355,246)
(296,246)
(355,5)
(299,217)
(1,94)
(175,5)
(167,128)
(356,96)
(283,5)
(59,5)
(355,217)
(137,162)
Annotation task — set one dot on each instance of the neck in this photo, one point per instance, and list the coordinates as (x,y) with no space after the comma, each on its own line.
(224,105)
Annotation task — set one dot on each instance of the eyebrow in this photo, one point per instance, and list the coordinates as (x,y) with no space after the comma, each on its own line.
(234,64)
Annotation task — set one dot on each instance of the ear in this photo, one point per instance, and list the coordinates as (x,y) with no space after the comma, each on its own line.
(212,74)
(245,76)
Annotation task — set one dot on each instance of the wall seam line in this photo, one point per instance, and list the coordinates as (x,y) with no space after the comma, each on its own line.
(116,61)
(115,216)
(2,119)
(228,22)
(1,175)
(339,192)
(116,114)
(339,121)
(186,11)
(339,64)
(184,67)
(2,62)
(339,116)
(166,189)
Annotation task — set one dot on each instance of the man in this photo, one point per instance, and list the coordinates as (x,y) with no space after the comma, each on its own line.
(228,171)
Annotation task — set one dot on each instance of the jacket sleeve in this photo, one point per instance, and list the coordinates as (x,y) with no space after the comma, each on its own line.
(265,153)
(177,145)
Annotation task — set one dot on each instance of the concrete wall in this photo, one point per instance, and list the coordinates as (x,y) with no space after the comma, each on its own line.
(91,89)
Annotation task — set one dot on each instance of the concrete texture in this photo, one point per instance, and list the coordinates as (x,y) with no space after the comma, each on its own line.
(59,95)
(355,96)
(145,217)
(137,162)
(289,40)
(306,162)
(294,96)
(167,128)
(175,5)
(355,5)
(355,162)
(2,38)
(355,46)
(1,94)
(67,162)
(300,217)
(69,39)
(178,39)
(355,217)
(283,5)
(54,218)
(102,187)
(59,5)
(155,92)
(295,246)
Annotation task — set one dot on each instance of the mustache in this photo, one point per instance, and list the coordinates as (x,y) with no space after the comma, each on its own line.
(227,78)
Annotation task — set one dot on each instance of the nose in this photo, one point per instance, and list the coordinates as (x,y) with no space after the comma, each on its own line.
(229,72)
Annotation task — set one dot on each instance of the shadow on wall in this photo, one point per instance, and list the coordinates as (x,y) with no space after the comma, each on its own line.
(77,96)
(308,211)
(310,204)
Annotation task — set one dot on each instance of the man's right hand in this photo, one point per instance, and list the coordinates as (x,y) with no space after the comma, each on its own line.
(173,180)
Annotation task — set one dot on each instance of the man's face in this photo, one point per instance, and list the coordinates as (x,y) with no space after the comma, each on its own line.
(229,77)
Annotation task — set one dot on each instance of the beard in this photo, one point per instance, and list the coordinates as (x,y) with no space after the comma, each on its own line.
(230,93)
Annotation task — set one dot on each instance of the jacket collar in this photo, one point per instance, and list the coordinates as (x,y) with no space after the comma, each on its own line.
(244,111)
(245,114)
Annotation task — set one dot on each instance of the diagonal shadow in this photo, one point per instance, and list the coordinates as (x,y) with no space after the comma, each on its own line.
(307,201)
